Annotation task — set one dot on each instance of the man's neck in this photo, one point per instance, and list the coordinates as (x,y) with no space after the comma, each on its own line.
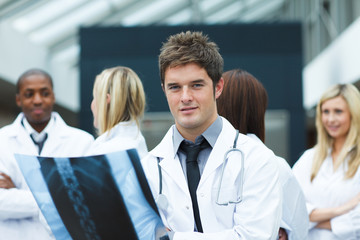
(38,127)
(190,134)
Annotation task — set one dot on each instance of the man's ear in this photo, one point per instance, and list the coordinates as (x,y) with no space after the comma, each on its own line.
(219,87)
(162,86)
(17,100)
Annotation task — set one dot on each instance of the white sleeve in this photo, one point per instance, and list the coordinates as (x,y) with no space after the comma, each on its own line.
(295,218)
(347,226)
(16,203)
(302,171)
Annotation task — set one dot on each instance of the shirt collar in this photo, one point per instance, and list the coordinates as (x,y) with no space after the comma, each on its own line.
(211,134)
(38,136)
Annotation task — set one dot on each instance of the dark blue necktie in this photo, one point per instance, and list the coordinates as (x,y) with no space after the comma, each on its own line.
(193,174)
(39,144)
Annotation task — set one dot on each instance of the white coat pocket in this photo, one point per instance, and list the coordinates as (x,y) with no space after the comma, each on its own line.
(224,212)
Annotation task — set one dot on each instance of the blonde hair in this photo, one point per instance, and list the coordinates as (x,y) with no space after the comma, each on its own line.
(127,97)
(352,143)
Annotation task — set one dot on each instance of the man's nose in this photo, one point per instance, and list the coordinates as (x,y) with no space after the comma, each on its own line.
(186,95)
(37,98)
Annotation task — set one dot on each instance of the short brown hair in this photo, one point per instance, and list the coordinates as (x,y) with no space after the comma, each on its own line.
(31,72)
(191,47)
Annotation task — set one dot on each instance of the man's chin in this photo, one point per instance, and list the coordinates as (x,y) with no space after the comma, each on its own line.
(38,120)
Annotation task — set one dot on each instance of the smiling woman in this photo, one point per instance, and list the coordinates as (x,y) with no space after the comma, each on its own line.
(329,173)
(336,119)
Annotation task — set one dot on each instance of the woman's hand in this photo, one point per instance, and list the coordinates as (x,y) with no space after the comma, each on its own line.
(324,225)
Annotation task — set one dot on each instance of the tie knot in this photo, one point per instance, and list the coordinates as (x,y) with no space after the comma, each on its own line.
(39,142)
(192,149)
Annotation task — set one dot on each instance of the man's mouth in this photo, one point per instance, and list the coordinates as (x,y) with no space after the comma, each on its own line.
(188,109)
(38,111)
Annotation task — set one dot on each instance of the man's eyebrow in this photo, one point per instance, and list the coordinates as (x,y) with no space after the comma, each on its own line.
(192,82)
(33,90)
(171,84)
(198,81)
(29,90)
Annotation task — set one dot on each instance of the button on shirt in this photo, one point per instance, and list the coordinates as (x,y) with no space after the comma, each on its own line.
(211,134)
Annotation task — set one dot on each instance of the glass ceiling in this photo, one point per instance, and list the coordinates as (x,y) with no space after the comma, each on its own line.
(51,26)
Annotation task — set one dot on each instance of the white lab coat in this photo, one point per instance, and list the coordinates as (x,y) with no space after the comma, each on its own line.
(124,135)
(256,217)
(295,219)
(329,189)
(19,213)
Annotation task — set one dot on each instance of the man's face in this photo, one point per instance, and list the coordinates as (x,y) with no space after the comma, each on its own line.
(190,94)
(36,99)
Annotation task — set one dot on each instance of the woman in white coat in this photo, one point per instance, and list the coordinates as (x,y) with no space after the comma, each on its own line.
(244,102)
(329,172)
(117,107)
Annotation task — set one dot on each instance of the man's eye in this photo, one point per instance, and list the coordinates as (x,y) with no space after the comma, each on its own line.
(45,94)
(28,94)
(198,85)
(173,87)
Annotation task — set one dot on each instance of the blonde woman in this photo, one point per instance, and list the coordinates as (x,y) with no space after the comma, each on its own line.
(117,107)
(329,173)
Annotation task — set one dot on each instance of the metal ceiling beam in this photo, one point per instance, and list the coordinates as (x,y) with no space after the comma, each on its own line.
(15,7)
(115,16)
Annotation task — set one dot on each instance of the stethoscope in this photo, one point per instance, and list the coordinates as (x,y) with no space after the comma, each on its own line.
(163,203)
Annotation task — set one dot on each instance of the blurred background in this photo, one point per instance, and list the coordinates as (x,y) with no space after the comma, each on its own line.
(297,48)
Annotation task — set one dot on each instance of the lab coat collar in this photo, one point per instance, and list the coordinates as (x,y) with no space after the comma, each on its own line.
(59,131)
(165,147)
(125,129)
(170,163)
(59,122)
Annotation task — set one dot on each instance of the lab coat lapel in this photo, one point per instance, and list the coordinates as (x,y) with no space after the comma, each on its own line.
(20,135)
(224,142)
(170,163)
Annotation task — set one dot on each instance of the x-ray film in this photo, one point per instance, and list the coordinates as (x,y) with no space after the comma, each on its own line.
(93,197)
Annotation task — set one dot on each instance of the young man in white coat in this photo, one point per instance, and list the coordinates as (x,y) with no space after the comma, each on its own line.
(36,131)
(197,201)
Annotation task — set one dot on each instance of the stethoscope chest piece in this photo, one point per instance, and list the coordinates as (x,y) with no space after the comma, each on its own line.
(162,202)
